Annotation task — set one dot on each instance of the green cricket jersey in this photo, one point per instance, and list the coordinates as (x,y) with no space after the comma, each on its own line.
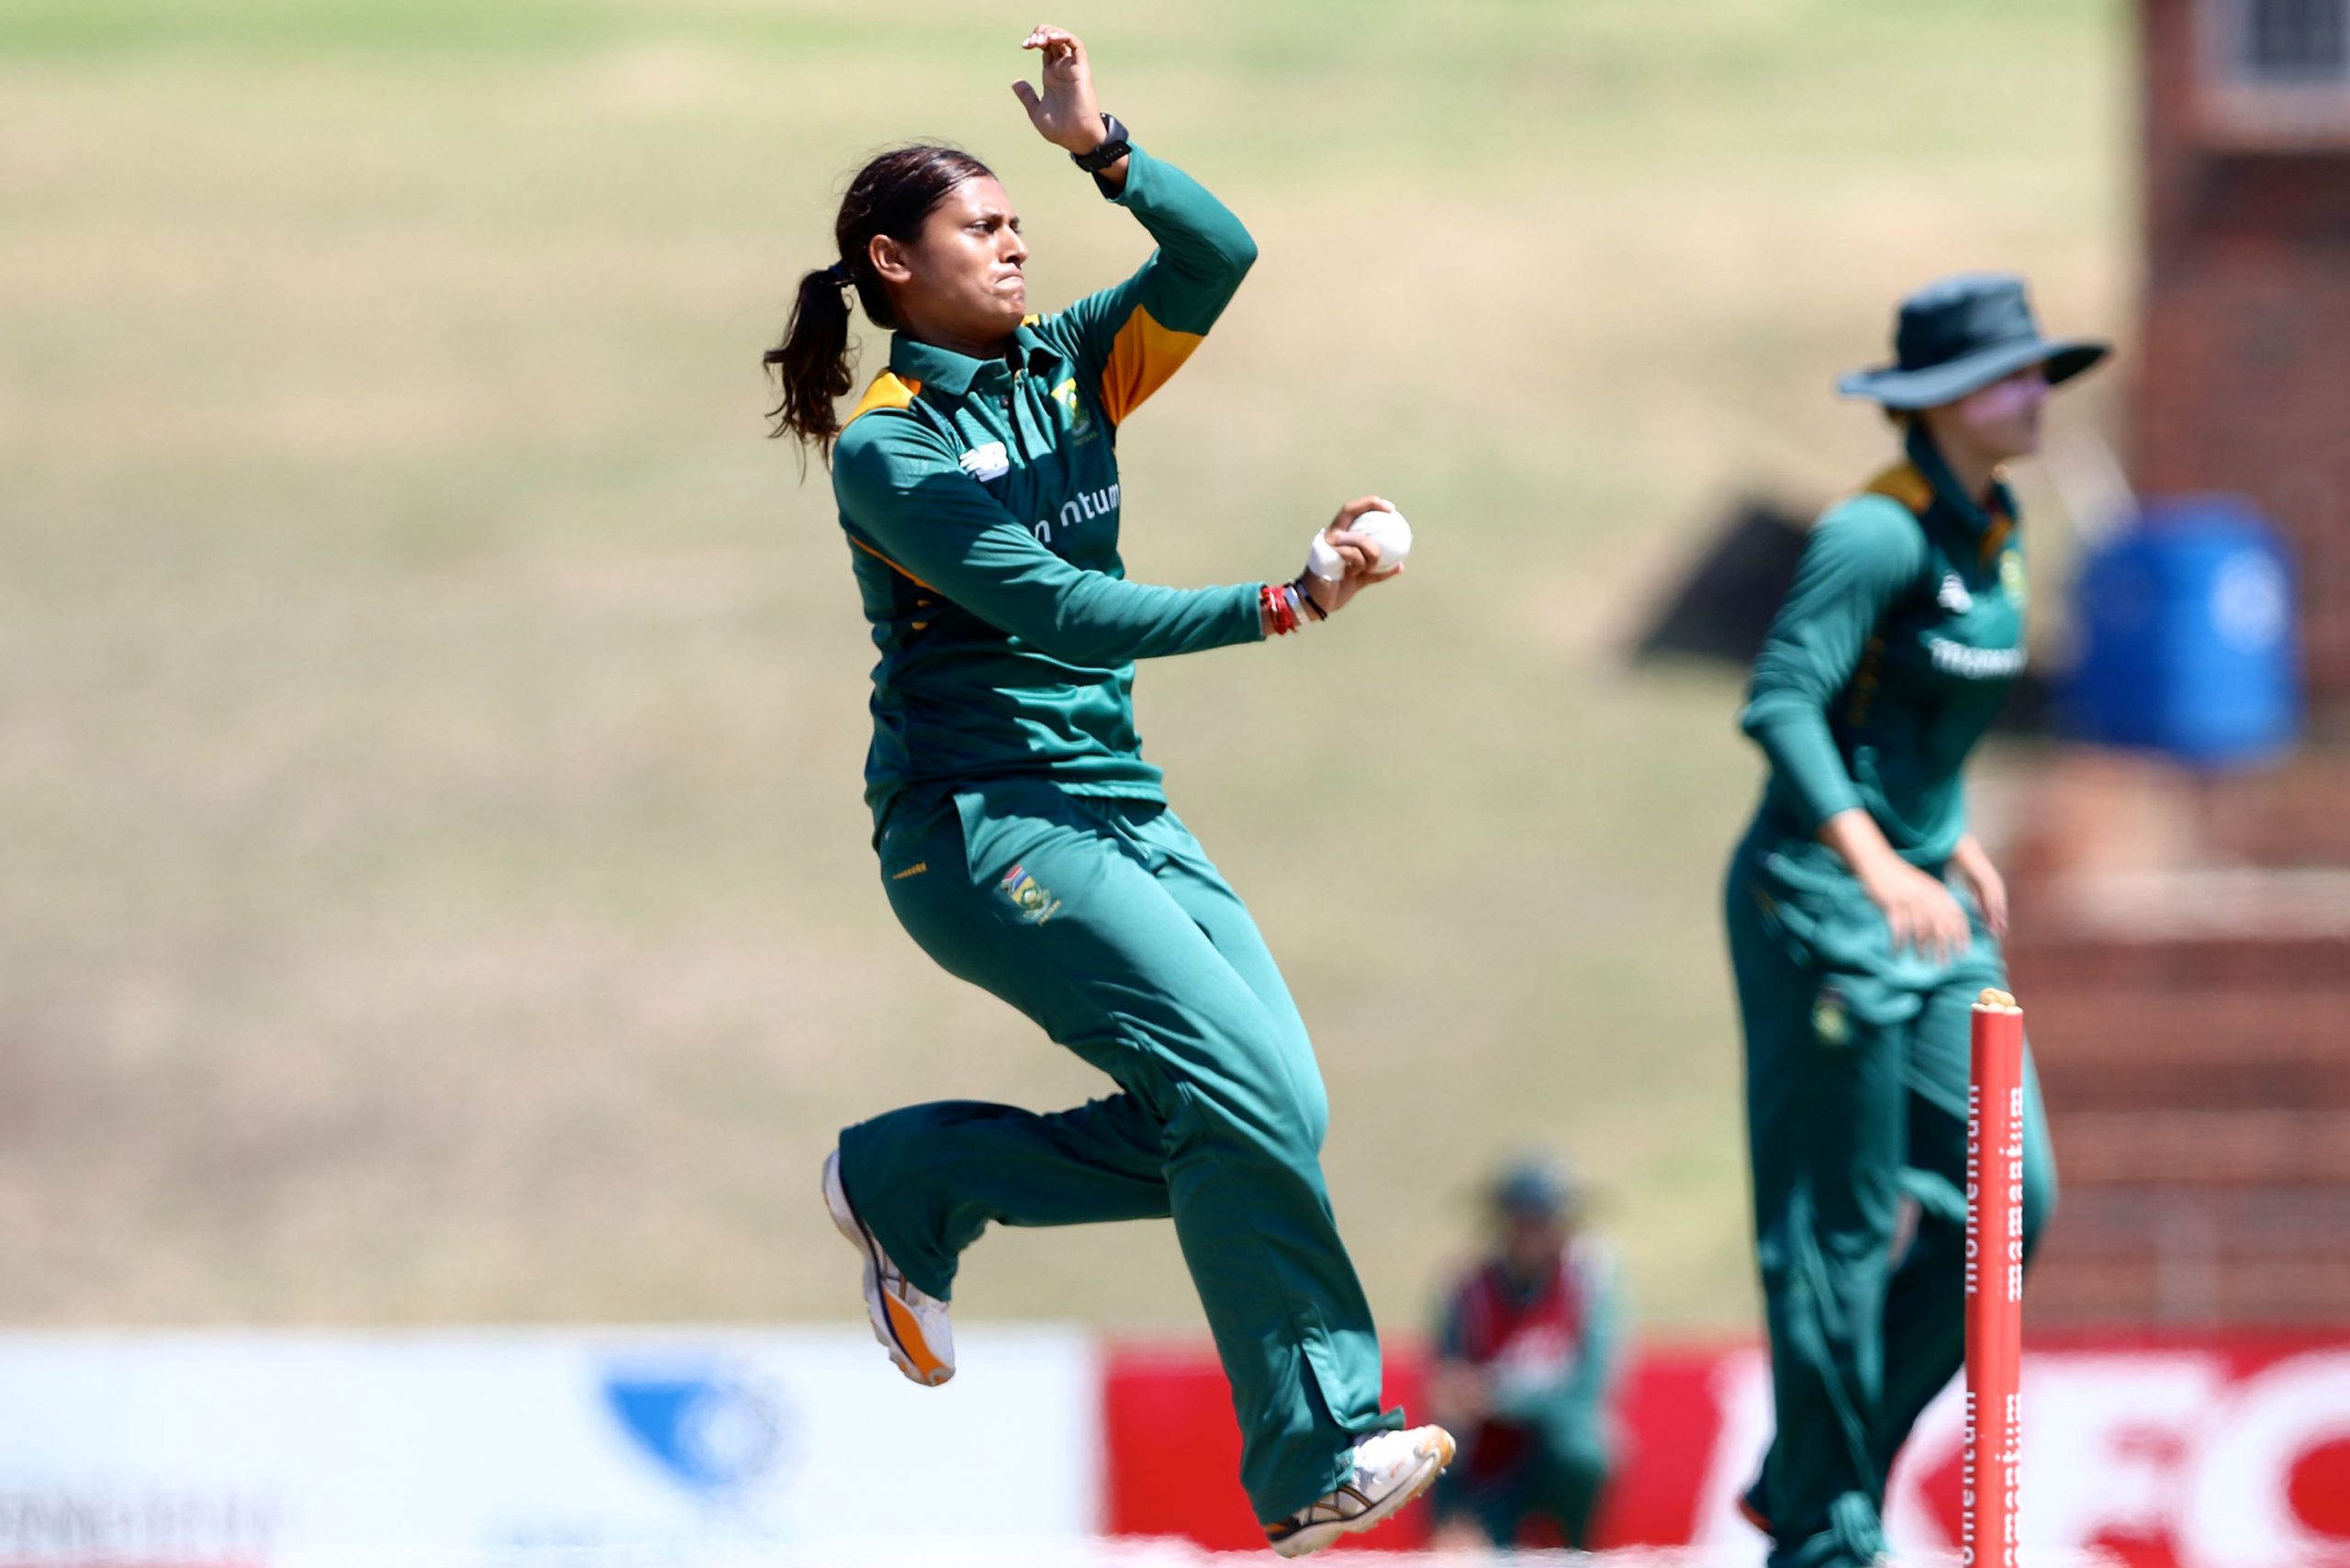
(982,503)
(1889,658)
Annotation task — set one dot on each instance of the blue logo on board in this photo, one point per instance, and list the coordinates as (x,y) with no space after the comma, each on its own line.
(714,1429)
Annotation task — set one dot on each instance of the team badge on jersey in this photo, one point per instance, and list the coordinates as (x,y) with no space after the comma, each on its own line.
(1829,1022)
(2011,577)
(1073,408)
(1029,897)
(1954,596)
(988,462)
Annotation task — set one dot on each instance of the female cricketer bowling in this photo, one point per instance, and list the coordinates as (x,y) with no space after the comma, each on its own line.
(1857,958)
(1024,843)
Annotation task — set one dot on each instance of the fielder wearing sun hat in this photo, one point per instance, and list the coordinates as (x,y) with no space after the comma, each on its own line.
(1958,335)
(1863,917)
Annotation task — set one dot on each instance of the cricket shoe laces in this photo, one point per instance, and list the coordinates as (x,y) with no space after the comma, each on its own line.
(1390,1469)
(910,1324)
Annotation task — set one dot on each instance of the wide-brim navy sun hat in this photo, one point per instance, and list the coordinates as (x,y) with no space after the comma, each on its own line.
(1958,335)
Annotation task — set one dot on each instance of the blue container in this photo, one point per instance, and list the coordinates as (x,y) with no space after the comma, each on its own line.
(2187,644)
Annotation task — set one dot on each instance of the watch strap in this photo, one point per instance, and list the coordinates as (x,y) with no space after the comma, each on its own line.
(1113,147)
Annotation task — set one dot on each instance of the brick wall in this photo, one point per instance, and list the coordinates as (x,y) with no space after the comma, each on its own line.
(2198,1096)
(2182,951)
(2241,371)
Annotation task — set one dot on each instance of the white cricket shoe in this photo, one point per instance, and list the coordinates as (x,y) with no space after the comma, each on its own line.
(911,1326)
(1390,1469)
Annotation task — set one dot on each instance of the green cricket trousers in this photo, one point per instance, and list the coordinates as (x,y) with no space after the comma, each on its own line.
(1857,1061)
(1102,920)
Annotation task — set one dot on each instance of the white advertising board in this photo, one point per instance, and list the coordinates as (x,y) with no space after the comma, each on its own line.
(303,1450)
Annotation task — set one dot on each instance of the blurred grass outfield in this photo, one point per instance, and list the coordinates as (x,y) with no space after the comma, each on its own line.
(432,878)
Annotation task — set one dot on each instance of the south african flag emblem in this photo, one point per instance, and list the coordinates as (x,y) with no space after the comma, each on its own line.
(1029,897)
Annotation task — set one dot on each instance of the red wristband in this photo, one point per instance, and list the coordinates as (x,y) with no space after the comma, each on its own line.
(1278,610)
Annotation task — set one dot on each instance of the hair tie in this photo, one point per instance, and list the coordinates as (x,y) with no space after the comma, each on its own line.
(838,272)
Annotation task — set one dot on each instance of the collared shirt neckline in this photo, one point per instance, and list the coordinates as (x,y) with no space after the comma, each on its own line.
(1949,494)
(955,374)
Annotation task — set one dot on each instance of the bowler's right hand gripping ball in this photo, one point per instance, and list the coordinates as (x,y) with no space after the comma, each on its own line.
(1385,529)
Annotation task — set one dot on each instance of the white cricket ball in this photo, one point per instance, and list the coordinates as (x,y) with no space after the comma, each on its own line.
(1390,534)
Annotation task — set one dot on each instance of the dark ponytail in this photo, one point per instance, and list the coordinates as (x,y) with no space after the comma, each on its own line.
(893,194)
(813,361)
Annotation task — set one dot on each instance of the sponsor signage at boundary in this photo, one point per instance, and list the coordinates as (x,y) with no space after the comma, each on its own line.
(531,1447)
(285,1450)
(2229,1452)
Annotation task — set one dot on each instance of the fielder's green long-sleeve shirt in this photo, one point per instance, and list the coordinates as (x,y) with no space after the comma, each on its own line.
(1890,657)
(982,503)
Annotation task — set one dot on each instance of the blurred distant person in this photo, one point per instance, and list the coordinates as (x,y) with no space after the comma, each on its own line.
(1025,845)
(1865,918)
(1527,1359)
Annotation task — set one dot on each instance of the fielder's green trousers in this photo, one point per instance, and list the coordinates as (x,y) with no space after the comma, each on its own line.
(1857,1061)
(1102,920)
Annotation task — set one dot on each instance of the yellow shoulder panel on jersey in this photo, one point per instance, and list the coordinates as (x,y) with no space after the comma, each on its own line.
(887,392)
(1142,357)
(1906,485)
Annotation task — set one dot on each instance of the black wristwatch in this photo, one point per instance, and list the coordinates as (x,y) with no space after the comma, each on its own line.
(1109,152)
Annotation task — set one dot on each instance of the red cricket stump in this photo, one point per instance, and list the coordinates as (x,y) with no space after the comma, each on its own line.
(1994,1283)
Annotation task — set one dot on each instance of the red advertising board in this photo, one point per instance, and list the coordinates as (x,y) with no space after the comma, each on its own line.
(2167,1452)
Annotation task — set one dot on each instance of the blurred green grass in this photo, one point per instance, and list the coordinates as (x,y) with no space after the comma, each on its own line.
(432,878)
